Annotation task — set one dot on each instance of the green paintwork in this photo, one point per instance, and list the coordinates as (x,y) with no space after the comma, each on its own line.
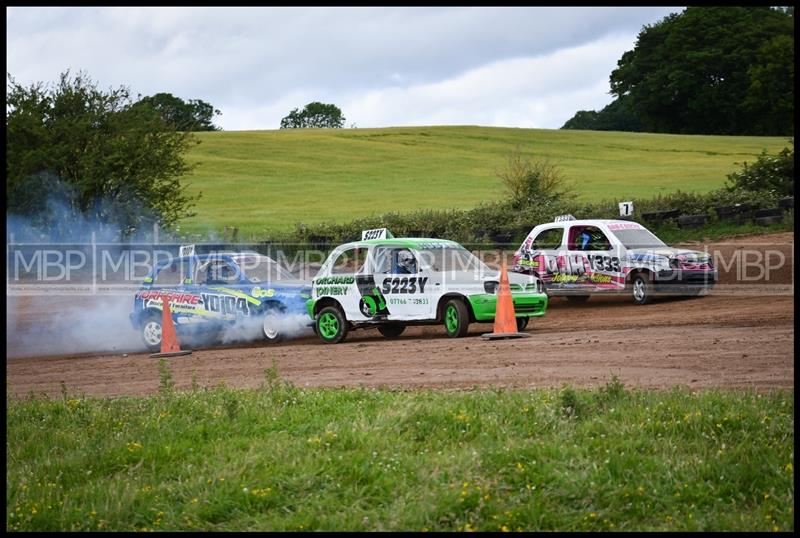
(484,305)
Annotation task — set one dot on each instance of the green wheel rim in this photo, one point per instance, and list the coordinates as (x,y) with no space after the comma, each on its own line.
(328,325)
(451,319)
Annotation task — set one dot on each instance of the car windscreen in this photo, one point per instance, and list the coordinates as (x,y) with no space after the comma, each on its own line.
(262,269)
(451,259)
(638,238)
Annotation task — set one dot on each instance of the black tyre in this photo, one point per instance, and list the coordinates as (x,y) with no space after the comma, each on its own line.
(456,318)
(331,325)
(522,323)
(150,330)
(577,298)
(641,288)
(391,331)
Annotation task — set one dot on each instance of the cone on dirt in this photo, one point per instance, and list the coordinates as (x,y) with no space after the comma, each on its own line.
(170,346)
(505,322)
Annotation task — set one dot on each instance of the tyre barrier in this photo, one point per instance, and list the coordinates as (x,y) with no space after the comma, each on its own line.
(692,221)
(768,212)
(738,212)
(766,221)
(786,203)
(659,216)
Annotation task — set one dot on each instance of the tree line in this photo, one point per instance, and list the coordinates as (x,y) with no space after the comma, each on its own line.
(706,70)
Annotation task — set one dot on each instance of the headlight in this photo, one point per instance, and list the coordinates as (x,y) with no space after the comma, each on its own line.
(663,263)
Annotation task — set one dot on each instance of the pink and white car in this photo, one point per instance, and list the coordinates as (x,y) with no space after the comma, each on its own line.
(579,258)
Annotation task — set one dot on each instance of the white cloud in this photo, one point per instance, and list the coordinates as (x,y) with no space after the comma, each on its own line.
(516,66)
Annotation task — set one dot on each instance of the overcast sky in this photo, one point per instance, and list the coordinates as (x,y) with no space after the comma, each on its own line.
(512,66)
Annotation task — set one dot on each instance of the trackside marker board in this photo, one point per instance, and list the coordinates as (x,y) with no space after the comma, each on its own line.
(625,209)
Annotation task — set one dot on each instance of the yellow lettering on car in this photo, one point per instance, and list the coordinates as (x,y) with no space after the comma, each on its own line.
(258,292)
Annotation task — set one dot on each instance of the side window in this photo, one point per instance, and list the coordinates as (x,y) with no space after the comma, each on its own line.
(588,238)
(216,272)
(170,275)
(394,260)
(350,262)
(549,239)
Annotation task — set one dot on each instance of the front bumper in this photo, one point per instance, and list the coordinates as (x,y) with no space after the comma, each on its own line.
(677,280)
(531,305)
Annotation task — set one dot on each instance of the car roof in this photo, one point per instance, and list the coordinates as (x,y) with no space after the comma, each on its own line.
(407,242)
(588,222)
(211,256)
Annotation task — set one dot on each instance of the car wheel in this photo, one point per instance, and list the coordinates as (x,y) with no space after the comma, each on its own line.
(391,331)
(331,325)
(150,330)
(522,323)
(269,328)
(456,318)
(577,298)
(641,289)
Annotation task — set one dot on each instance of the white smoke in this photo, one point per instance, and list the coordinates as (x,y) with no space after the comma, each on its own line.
(40,321)
(57,325)
(289,326)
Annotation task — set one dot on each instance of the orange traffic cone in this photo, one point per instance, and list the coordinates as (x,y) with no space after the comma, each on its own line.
(170,346)
(505,322)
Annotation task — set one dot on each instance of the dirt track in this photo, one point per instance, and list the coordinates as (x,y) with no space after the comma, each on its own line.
(737,340)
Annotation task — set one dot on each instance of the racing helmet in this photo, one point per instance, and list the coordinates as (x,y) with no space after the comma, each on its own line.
(405,260)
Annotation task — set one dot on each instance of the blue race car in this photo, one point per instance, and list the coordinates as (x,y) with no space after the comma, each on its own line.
(211,293)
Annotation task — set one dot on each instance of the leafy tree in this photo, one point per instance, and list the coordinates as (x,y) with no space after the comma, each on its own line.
(533,181)
(192,115)
(770,174)
(713,70)
(615,116)
(111,161)
(314,115)
(583,120)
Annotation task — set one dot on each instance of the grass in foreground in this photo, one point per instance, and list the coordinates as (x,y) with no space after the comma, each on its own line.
(284,458)
(267,181)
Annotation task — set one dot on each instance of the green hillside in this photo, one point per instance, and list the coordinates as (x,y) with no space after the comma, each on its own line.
(264,181)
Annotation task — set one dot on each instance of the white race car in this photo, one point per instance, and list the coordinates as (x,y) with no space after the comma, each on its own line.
(578,258)
(391,283)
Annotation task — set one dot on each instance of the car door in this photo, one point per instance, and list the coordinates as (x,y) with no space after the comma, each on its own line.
(403,282)
(218,281)
(594,262)
(349,282)
(541,255)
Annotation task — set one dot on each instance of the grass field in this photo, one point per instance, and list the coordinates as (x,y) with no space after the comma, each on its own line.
(263,181)
(285,458)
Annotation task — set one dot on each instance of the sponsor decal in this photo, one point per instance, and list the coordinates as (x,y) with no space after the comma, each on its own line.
(334,280)
(332,290)
(372,303)
(172,296)
(433,245)
(258,292)
(624,226)
(638,257)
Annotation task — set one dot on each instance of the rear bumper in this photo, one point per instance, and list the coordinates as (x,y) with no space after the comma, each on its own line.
(525,305)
